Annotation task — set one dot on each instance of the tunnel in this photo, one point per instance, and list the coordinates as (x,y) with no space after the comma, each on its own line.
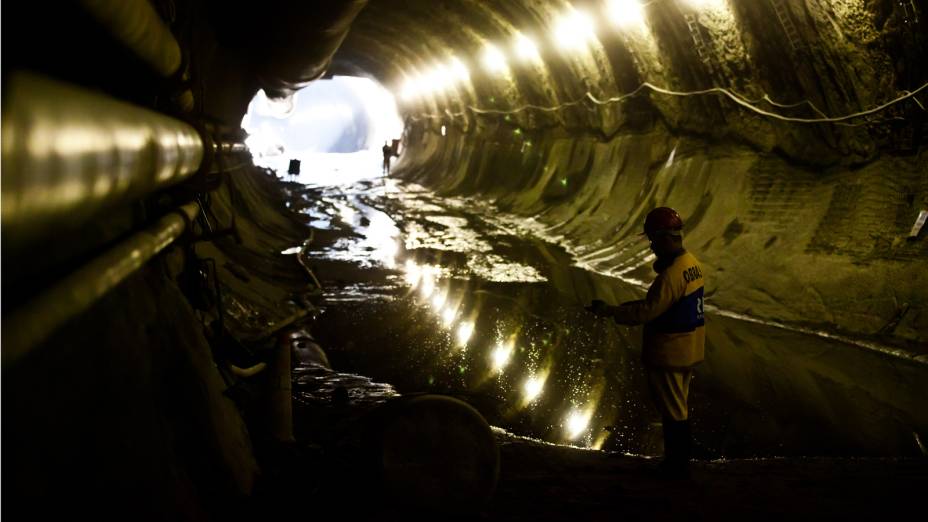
(338,258)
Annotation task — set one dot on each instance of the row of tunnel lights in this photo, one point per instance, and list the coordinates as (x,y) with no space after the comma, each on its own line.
(572,31)
(423,278)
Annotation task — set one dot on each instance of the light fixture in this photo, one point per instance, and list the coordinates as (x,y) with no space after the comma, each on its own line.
(574,30)
(625,13)
(493,59)
(439,78)
(526,48)
(705,4)
(459,70)
(410,89)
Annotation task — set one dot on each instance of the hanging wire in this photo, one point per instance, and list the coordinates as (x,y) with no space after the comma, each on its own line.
(735,97)
(740,100)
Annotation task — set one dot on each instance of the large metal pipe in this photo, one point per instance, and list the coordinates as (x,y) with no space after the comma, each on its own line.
(39,318)
(69,152)
(295,42)
(136,24)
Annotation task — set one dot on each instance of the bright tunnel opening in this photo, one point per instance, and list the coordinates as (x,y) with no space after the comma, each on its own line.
(336,128)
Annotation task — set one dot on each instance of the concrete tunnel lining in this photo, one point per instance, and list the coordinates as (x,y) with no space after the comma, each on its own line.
(804,225)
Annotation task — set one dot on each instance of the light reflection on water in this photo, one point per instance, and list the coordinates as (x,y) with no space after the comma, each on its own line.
(496,268)
(449,238)
(433,293)
(465,331)
(438,300)
(378,244)
(448,315)
(577,423)
(501,355)
(479,333)
(533,387)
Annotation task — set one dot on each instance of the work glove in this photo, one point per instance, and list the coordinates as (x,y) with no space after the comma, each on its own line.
(598,307)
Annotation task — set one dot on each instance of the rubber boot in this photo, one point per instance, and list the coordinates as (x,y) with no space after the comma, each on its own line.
(677,448)
(686,442)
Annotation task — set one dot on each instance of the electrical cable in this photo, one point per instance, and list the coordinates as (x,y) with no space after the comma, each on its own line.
(735,97)
(747,104)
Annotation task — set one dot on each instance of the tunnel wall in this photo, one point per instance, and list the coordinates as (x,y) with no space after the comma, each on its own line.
(132,408)
(121,414)
(145,405)
(800,222)
(780,242)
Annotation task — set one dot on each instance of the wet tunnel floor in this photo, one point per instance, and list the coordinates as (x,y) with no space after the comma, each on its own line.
(395,258)
(443,294)
(428,294)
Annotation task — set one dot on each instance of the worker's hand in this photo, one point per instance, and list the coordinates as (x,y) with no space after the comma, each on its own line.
(598,307)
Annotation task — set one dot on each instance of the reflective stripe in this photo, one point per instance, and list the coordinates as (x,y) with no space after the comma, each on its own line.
(683,316)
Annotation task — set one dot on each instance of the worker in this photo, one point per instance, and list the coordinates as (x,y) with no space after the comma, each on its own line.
(387,152)
(674,332)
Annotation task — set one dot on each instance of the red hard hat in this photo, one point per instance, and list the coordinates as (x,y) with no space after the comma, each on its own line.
(662,218)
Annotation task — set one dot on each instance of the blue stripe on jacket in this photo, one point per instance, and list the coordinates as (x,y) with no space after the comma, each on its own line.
(683,316)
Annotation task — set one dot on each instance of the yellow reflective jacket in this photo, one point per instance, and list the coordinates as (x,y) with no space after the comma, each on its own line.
(672,314)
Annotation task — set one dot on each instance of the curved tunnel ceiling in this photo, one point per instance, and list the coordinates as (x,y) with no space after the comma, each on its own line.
(788,132)
(805,60)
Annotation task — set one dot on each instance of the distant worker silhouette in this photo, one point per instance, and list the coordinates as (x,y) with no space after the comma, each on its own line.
(674,332)
(387,152)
